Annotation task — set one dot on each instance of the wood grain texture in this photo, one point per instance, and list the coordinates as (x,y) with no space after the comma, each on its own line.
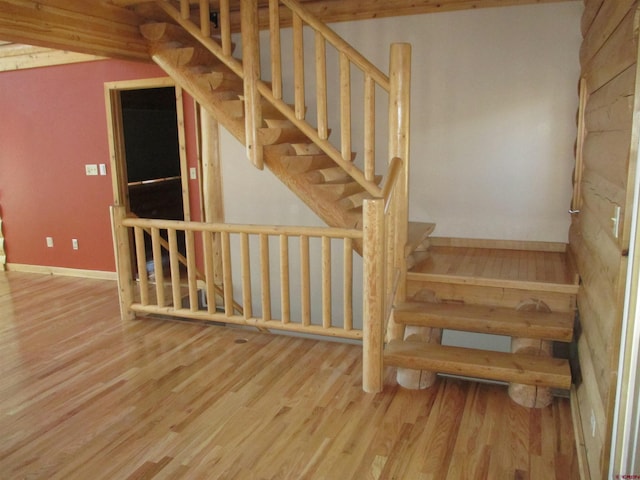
(86,395)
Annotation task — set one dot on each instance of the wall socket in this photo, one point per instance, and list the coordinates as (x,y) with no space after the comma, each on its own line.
(74,243)
(91,170)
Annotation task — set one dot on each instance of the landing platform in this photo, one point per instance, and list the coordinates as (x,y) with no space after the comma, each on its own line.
(542,263)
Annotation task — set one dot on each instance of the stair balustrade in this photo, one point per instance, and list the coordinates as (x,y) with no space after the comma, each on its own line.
(273,87)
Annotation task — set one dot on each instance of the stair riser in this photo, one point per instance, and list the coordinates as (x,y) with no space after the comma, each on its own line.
(489,295)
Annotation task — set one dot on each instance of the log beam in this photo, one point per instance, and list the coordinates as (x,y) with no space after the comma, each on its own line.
(86,27)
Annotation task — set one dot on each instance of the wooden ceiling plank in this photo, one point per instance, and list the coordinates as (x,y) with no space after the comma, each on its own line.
(25,22)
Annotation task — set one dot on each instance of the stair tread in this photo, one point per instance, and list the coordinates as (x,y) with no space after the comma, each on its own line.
(556,326)
(490,365)
(418,232)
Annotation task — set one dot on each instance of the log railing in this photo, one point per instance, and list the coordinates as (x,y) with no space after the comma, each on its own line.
(248,254)
(273,86)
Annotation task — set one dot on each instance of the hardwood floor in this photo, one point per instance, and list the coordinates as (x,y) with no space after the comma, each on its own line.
(84,395)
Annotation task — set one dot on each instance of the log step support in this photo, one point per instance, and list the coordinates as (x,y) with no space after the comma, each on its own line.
(483,364)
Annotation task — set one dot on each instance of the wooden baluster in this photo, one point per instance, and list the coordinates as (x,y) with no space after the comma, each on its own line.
(122,249)
(225,27)
(321,85)
(205,22)
(369,128)
(276,49)
(265,279)
(185,10)
(245,262)
(209,270)
(141,258)
(192,271)
(373,295)
(345,106)
(174,264)
(326,282)
(158,271)
(305,280)
(251,73)
(399,109)
(298,67)
(347,286)
(226,274)
(284,279)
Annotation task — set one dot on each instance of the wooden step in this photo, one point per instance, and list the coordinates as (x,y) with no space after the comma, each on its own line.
(296,164)
(160,32)
(218,81)
(190,56)
(557,326)
(336,191)
(278,135)
(354,201)
(307,149)
(324,175)
(236,108)
(417,234)
(489,365)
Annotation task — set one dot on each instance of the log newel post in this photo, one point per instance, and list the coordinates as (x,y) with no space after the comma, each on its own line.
(373,295)
(251,73)
(399,116)
(123,254)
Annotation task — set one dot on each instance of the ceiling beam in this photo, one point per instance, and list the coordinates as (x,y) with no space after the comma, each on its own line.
(76,25)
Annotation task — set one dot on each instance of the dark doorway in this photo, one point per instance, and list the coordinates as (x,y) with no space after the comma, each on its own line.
(150,126)
(152,151)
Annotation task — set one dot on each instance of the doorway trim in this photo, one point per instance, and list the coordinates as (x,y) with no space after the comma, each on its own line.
(116,138)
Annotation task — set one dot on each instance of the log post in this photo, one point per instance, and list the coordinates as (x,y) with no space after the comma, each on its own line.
(531,396)
(373,295)
(122,251)
(399,114)
(251,73)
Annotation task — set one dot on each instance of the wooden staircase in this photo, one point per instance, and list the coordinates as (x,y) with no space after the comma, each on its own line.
(323,185)
(437,287)
(526,295)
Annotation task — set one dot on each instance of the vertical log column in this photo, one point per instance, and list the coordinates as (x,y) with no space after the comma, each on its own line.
(531,396)
(251,72)
(122,250)
(373,295)
(399,134)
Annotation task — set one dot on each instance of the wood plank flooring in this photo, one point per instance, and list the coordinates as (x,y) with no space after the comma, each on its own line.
(84,395)
(515,265)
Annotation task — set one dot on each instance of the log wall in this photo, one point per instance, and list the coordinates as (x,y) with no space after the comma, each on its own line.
(608,59)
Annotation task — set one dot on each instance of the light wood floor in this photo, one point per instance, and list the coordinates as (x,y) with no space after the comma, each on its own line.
(84,395)
(520,265)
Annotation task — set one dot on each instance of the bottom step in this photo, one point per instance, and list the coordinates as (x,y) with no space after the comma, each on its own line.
(489,365)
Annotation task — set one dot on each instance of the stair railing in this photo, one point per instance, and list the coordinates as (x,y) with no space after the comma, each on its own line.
(247,252)
(256,86)
(381,275)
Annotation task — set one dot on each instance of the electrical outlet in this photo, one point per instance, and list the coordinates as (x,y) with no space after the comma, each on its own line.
(103,169)
(593,424)
(91,170)
(192,173)
(74,243)
(49,242)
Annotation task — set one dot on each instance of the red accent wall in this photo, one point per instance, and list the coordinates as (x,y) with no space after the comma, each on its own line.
(52,123)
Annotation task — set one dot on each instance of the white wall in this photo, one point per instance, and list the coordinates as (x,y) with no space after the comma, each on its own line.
(494,102)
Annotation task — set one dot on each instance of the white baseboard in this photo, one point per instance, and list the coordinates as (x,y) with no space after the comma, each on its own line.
(63,271)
